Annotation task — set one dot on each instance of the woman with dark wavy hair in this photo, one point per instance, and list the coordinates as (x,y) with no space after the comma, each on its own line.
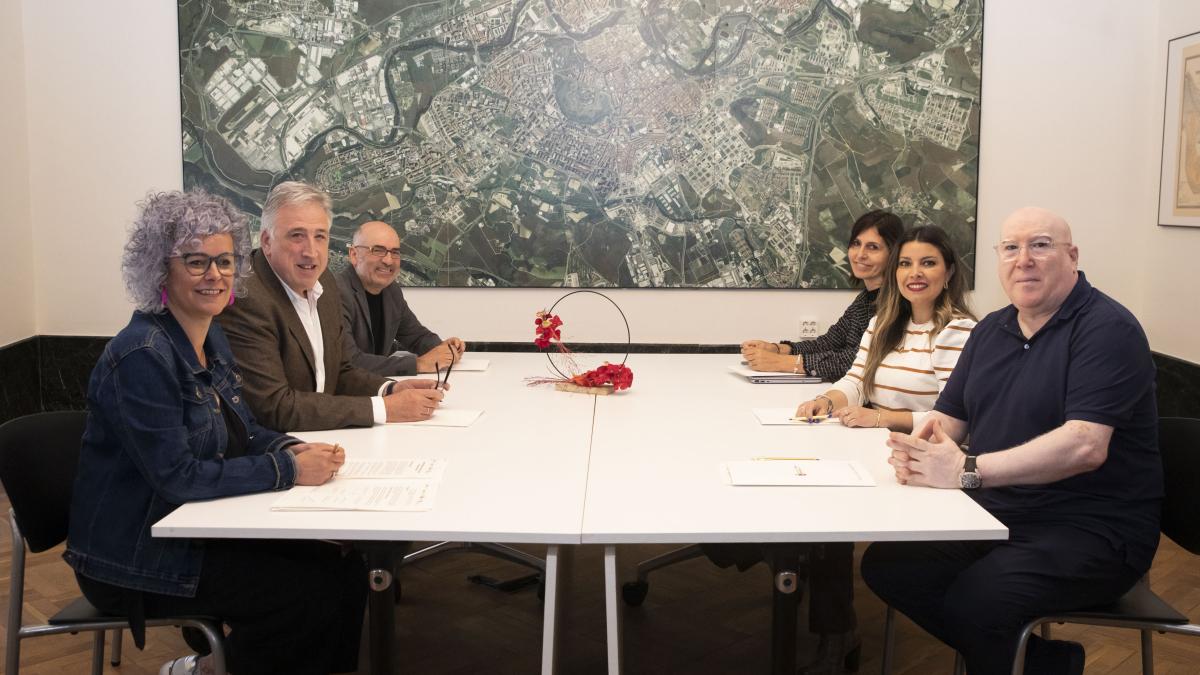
(905,357)
(912,344)
(166,425)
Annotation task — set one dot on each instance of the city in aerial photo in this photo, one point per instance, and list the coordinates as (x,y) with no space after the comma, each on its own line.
(594,143)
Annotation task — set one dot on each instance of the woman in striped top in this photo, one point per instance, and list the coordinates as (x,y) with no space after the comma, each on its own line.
(912,344)
(906,354)
(872,238)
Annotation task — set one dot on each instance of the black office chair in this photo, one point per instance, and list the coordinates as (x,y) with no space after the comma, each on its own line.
(1141,608)
(512,555)
(38,458)
(634,592)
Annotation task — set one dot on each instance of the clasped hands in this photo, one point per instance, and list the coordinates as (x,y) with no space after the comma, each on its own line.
(766,356)
(927,457)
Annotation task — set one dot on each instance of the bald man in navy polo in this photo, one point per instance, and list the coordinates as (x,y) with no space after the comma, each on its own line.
(1056,395)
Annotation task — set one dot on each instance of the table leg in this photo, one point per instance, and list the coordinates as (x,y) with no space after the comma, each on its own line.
(612,610)
(550,609)
(558,569)
(381,606)
(785,567)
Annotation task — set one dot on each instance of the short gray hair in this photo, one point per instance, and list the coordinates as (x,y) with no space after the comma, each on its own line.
(292,193)
(171,223)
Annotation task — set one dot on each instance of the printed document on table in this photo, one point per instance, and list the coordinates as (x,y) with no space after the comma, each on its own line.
(773,416)
(821,472)
(447,417)
(471,365)
(427,469)
(416,495)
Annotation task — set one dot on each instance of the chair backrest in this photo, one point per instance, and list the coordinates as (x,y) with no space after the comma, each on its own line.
(1179,445)
(38,457)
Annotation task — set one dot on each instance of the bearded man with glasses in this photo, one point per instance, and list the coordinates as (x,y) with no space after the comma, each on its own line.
(382,334)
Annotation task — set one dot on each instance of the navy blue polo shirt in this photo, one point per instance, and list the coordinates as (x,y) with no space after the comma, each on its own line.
(1090,362)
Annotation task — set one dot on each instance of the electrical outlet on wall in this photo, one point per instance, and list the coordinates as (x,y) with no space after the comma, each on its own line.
(808,328)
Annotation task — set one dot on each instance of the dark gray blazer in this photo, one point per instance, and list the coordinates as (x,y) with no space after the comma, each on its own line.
(399,322)
(276,359)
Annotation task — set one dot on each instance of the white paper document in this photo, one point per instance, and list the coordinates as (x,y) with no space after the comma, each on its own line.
(773,416)
(821,472)
(416,495)
(447,417)
(427,469)
(471,365)
(759,377)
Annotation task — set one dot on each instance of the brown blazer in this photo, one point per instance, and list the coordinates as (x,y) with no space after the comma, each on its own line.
(276,359)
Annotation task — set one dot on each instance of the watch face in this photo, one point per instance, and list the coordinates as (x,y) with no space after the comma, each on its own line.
(969,480)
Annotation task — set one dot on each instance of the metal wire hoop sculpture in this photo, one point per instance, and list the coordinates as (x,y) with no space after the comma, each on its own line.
(628,338)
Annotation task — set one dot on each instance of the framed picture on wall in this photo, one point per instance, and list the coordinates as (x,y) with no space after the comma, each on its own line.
(1179,184)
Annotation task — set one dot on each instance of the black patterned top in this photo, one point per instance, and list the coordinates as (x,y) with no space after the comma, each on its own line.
(830,356)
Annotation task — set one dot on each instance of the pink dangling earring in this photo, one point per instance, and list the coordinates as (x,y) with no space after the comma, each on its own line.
(231,296)
(163,297)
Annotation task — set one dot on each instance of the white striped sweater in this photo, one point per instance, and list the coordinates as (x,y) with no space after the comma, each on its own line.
(910,377)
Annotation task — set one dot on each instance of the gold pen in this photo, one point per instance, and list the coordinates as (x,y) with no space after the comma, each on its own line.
(786,459)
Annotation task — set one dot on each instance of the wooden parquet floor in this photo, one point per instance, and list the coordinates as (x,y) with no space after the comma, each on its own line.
(697,619)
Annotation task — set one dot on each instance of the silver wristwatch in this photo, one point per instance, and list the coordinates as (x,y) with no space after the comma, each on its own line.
(970,479)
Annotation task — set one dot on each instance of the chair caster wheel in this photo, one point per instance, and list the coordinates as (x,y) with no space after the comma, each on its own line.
(634,592)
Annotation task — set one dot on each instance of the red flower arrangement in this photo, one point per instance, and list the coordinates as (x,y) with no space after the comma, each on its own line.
(547,330)
(616,374)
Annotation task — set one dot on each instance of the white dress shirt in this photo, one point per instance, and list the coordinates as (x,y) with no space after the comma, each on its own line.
(306,308)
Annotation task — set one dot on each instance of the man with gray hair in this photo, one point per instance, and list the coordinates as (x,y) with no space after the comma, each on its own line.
(288,337)
(378,319)
(1056,392)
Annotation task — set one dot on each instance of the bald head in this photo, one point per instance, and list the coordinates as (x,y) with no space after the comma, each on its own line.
(1038,263)
(375,255)
(376,230)
(1035,218)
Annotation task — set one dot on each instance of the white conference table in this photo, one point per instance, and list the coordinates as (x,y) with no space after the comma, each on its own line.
(641,466)
(516,475)
(654,474)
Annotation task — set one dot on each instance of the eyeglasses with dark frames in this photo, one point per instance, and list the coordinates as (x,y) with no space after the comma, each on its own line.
(380,251)
(197,264)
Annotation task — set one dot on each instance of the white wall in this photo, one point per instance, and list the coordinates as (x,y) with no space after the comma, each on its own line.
(1171,311)
(103,130)
(1069,88)
(1065,90)
(16,253)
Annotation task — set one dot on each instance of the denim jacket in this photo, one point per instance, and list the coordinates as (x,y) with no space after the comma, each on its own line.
(156,439)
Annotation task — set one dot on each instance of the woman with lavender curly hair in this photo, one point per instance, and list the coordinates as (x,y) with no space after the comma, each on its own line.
(167,424)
